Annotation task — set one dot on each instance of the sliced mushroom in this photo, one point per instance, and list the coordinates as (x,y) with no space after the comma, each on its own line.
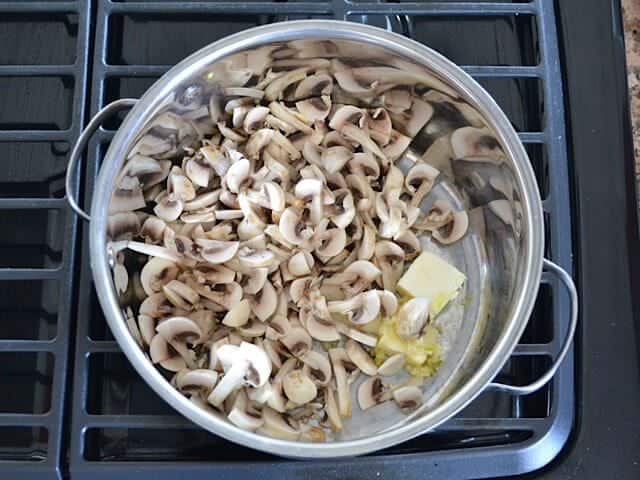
(361,358)
(298,387)
(238,175)
(363,164)
(453,230)
(314,86)
(275,426)
(419,181)
(217,251)
(254,119)
(246,364)
(196,381)
(156,273)
(168,207)
(412,317)
(330,241)
(297,341)
(180,294)
(409,243)
(264,303)
(372,392)
(333,414)
(301,263)
(338,358)
(392,365)
(315,108)
(390,259)
(476,142)
(388,303)
(398,144)
(317,320)
(238,315)
(293,228)
(317,367)
(161,352)
(361,309)
(408,398)
(244,415)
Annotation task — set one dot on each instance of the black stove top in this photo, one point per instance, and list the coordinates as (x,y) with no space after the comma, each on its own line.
(75,408)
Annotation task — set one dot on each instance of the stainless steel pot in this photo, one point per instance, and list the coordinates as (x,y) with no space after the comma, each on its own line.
(502,255)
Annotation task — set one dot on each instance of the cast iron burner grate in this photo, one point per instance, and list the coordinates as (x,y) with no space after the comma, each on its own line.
(117,424)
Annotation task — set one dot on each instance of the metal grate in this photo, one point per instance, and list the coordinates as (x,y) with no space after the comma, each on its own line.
(43,65)
(119,425)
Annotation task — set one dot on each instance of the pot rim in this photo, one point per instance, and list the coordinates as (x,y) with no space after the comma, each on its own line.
(533,242)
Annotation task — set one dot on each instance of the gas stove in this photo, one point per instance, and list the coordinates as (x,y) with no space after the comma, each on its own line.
(74,408)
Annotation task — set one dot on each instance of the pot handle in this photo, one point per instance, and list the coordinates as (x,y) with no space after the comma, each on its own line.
(81,143)
(567,281)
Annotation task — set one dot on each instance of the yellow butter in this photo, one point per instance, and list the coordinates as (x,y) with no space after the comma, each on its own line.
(432,277)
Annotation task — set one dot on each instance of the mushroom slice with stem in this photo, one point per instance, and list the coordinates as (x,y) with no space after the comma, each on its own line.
(156,273)
(330,241)
(364,165)
(293,228)
(357,335)
(252,258)
(362,138)
(291,117)
(298,387)
(361,309)
(419,181)
(276,88)
(412,317)
(408,398)
(343,210)
(318,367)
(198,172)
(253,329)
(127,196)
(453,230)
(238,315)
(411,121)
(390,259)
(360,357)
(246,364)
(152,229)
(335,157)
(379,124)
(372,392)
(392,365)
(397,145)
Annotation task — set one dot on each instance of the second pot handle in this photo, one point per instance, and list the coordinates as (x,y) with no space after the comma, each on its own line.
(567,281)
(81,143)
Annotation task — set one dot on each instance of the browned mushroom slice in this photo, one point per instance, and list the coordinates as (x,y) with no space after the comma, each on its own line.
(408,398)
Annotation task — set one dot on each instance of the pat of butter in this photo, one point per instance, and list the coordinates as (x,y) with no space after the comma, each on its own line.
(430,276)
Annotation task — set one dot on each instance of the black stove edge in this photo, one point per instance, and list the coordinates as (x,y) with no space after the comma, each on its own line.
(606,439)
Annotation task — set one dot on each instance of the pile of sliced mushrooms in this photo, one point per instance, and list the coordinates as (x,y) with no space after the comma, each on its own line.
(267,227)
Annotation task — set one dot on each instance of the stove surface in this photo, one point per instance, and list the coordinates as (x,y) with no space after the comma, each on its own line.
(77,409)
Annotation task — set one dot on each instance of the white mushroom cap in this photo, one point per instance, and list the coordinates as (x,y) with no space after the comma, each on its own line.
(264,303)
(392,365)
(317,366)
(293,228)
(237,175)
(301,263)
(195,381)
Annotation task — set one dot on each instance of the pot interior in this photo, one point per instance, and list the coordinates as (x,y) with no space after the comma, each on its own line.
(482,171)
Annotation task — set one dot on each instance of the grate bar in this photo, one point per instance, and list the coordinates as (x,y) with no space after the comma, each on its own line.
(222,7)
(102,346)
(37,70)
(32,203)
(33,7)
(29,273)
(28,345)
(138,421)
(504,71)
(135,70)
(24,420)
(35,135)
(533,349)
(442,8)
